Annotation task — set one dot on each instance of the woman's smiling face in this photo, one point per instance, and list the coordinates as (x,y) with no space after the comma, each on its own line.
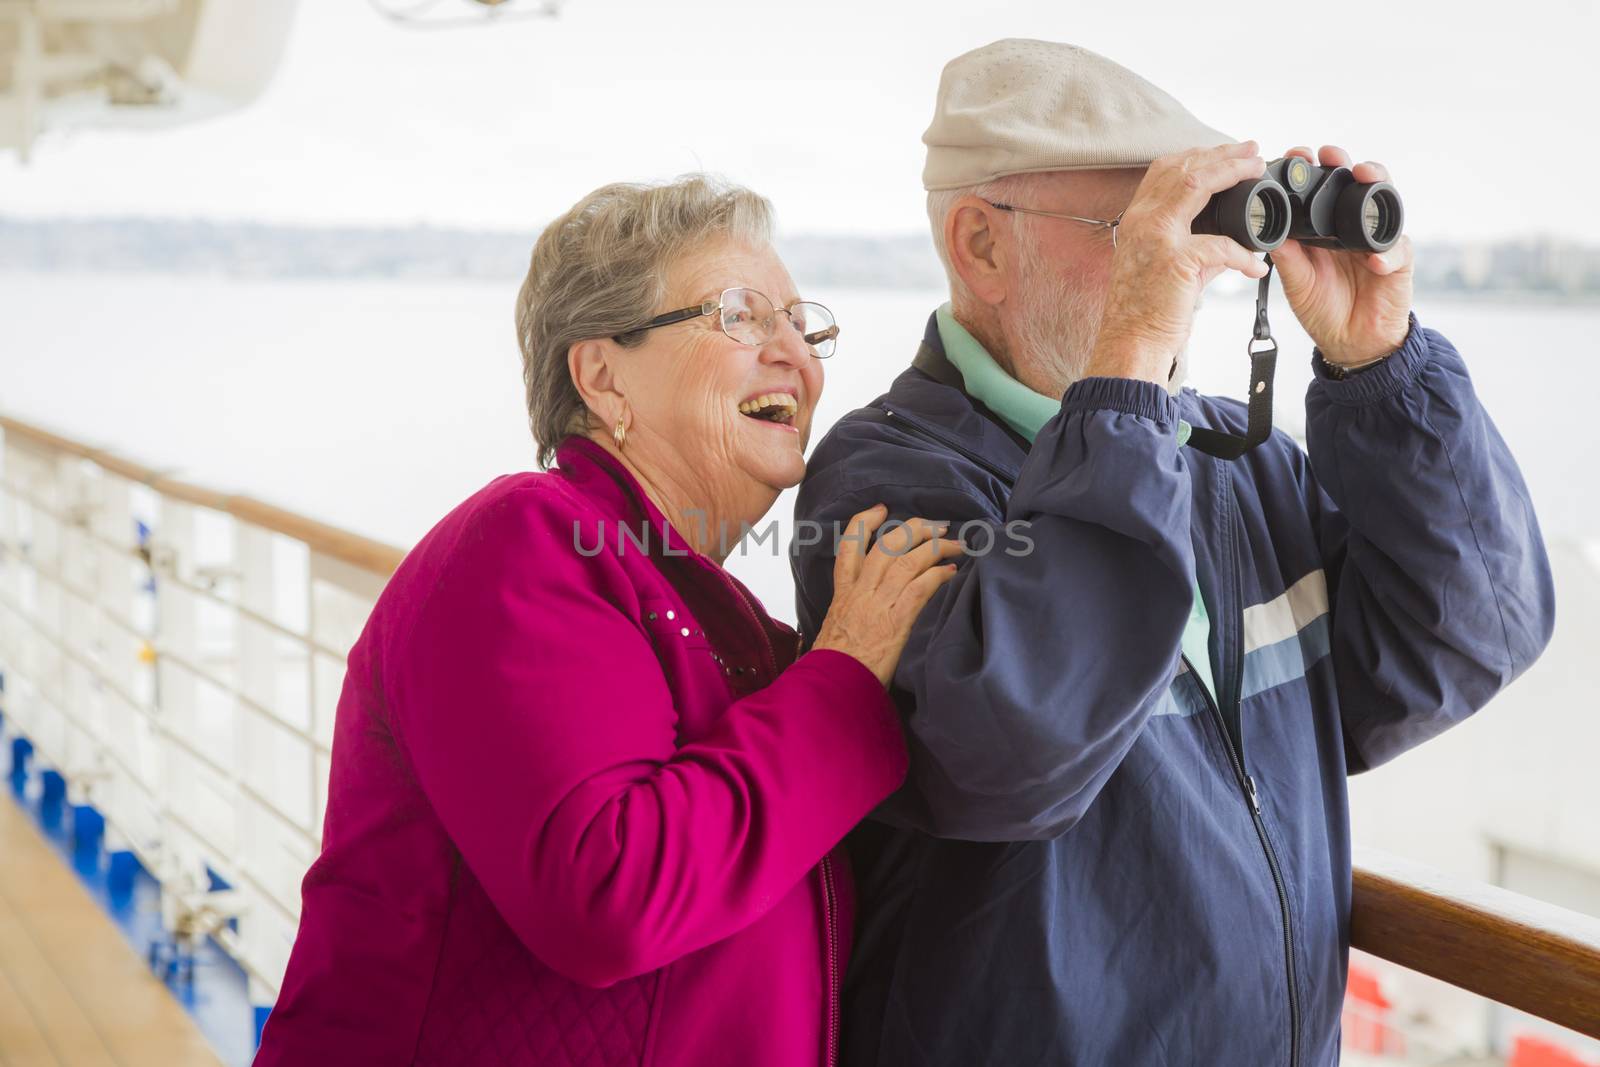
(724,418)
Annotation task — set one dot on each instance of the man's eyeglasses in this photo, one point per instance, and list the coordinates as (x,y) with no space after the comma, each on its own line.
(1104,224)
(751,318)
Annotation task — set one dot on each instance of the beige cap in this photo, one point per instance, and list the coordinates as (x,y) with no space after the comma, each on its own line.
(1017,105)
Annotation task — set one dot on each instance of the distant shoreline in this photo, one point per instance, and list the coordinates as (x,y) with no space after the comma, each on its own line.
(1541,271)
(8,269)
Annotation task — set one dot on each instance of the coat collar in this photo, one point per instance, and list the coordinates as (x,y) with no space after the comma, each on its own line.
(609,484)
(606,482)
(933,389)
(969,418)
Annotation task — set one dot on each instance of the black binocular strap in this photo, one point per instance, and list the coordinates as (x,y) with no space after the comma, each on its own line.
(1262,364)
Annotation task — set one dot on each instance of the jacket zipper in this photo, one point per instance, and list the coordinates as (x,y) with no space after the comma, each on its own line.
(830,915)
(1253,798)
(1235,746)
(769,658)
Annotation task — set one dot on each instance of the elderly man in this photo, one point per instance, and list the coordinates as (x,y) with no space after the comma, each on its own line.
(1124,838)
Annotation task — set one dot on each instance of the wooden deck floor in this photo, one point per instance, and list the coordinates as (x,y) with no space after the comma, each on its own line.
(73,992)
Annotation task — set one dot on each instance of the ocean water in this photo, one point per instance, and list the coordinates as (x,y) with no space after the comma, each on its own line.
(378,405)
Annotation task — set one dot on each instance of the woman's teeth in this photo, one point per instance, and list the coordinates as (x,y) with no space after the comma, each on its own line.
(774,407)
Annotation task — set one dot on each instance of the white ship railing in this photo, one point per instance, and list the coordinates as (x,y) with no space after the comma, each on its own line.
(176,654)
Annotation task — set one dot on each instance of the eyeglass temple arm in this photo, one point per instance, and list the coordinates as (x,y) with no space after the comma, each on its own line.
(1106,224)
(669,318)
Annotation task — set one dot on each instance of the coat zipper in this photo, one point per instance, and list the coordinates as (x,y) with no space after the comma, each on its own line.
(830,915)
(1235,746)
(1253,798)
(769,658)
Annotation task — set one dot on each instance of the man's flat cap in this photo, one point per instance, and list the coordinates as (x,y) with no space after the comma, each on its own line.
(1016,106)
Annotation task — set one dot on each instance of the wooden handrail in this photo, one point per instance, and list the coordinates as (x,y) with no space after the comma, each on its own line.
(347,547)
(1540,958)
(358,551)
(1522,952)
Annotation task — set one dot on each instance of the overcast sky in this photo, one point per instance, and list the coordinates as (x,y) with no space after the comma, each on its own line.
(1486,121)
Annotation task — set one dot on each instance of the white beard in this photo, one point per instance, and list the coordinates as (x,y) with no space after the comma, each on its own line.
(1060,320)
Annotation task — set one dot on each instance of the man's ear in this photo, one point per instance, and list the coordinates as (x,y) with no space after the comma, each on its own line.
(590,364)
(970,236)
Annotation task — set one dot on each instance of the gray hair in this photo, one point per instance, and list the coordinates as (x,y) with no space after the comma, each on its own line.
(602,268)
(1012,187)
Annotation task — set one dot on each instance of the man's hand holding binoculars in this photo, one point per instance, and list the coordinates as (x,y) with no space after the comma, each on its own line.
(1333,231)
(1354,305)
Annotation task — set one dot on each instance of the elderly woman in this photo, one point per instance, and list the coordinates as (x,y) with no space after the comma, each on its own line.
(585,799)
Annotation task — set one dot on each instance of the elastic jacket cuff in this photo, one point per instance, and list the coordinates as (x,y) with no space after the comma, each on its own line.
(1131,396)
(1377,382)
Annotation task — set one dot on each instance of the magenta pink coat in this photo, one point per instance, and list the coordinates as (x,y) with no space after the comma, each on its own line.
(584,805)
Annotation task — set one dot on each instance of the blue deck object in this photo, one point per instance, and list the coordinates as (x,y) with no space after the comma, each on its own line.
(210,985)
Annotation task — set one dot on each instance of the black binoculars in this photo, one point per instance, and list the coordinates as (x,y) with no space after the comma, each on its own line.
(1322,206)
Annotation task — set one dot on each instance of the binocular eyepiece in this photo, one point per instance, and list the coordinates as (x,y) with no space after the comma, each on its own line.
(1322,206)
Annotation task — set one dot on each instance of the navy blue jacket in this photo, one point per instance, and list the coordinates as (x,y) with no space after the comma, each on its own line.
(1091,861)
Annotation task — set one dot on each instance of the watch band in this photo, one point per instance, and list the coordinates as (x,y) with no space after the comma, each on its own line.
(1339,372)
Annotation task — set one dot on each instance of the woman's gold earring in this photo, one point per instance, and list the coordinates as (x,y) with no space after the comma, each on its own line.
(620,435)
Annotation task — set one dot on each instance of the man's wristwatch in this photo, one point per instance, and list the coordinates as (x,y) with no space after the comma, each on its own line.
(1339,372)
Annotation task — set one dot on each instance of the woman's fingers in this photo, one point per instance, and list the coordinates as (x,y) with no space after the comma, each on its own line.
(920,590)
(871,619)
(928,553)
(900,539)
(852,549)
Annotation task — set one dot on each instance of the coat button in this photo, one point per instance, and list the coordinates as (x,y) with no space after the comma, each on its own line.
(651,616)
(684,631)
(670,615)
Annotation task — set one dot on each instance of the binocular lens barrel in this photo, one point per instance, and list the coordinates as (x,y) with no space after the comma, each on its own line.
(1368,218)
(1268,215)
(1254,213)
(1371,217)
(1380,217)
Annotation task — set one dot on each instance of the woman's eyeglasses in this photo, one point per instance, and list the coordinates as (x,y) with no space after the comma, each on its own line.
(751,318)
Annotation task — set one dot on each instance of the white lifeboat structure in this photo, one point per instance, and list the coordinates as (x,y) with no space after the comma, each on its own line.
(118,63)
